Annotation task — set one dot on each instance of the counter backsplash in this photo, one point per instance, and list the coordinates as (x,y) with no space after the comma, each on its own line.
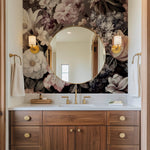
(100,99)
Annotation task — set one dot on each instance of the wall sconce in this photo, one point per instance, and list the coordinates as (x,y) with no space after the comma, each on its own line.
(116,48)
(32,43)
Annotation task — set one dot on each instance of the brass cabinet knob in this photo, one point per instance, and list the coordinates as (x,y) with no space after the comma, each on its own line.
(79,130)
(122,118)
(27,118)
(71,130)
(27,135)
(122,135)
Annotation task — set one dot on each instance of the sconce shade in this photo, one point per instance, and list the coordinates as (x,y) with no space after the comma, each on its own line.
(32,40)
(117,40)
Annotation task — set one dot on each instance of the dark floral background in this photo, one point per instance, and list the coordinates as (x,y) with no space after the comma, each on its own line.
(44,18)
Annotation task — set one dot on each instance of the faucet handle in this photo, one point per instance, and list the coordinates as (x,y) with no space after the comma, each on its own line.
(67,99)
(84,99)
(87,97)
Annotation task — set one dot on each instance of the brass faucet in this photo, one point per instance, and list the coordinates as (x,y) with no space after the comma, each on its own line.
(76,96)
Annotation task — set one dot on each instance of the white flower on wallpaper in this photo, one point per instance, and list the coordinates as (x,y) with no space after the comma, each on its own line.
(117,84)
(31,1)
(43,36)
(82,22)
(49,4)
(34,65)
(30,19)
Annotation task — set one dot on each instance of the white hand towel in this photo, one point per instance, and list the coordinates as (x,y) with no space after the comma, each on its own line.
(17,80)
(135,79)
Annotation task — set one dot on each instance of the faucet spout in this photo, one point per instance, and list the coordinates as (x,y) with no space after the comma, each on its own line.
(76,96)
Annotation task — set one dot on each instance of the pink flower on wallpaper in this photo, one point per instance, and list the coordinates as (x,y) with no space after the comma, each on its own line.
(68,11)
(52,80)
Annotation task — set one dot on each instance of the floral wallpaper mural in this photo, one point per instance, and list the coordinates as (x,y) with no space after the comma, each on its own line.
(44,18)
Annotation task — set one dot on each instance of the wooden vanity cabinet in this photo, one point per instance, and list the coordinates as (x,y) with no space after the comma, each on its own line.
(26,131)
(55,138)
(123,130)
(75,130)
(91,138)
(74,138)
(81,130)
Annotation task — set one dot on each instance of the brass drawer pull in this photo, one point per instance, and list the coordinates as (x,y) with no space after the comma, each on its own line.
(122,135)
(79,130)
(122,118)
(71,130)
(27,118)
(27,135)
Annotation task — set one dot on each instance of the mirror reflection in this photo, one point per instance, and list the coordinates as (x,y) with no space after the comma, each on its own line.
(76,54)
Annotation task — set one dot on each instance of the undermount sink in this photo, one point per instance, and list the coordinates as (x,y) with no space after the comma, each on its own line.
(76,105)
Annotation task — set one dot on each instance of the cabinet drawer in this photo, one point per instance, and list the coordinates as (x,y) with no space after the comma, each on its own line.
(122,135)
(123,118)
(74,118)
(28,148)
(26,136)
(26,118)
(122,147)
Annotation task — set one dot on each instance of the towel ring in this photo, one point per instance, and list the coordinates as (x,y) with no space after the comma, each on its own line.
(138,54)
(14,55)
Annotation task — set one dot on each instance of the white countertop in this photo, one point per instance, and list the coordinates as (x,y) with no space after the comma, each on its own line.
(67,107)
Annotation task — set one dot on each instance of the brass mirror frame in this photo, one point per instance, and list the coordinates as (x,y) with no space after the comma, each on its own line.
(50,49)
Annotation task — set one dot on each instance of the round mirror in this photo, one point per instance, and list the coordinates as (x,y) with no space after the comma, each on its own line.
(76,54)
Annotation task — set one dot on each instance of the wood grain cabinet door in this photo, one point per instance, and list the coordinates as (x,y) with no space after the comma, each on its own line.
(55,138)
(90,138)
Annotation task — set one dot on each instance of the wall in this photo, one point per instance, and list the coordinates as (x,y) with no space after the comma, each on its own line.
(135,15)
(14,41)
(52,18)
(13,45)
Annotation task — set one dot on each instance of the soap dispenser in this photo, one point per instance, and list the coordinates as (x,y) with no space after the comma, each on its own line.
(40,97)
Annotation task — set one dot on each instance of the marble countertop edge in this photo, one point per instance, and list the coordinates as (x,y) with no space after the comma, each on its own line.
(51,107)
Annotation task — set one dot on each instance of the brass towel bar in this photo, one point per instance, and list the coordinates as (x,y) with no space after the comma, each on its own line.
(138,54)
(14,55)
